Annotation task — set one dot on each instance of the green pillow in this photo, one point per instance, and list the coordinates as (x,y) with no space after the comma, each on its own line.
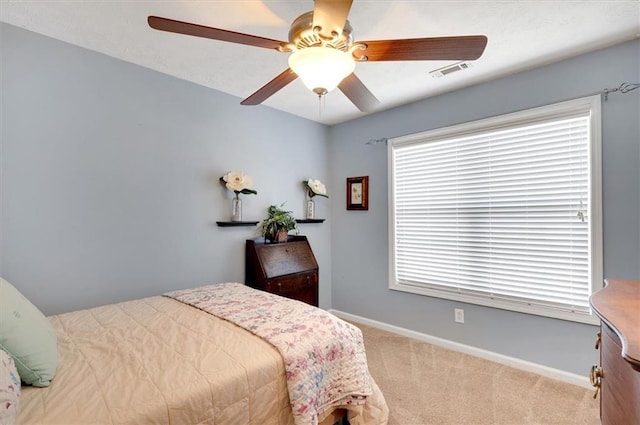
(27,335)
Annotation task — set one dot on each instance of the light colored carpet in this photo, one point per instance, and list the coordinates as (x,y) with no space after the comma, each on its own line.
(429,385)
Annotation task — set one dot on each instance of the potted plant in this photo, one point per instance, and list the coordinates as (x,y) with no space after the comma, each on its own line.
(277,225)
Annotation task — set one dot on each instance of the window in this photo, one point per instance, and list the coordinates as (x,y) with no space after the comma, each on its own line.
(503,212)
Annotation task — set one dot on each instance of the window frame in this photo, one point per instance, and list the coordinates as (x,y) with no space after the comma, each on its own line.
(529,116)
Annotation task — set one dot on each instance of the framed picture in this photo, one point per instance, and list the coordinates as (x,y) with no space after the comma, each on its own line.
(358,193)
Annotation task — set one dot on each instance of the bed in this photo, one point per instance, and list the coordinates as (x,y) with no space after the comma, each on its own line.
(161,360)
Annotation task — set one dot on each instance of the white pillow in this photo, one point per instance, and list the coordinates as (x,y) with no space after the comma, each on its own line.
(9,389)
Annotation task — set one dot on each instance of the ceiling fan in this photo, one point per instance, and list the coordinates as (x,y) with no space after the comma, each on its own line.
(323,53)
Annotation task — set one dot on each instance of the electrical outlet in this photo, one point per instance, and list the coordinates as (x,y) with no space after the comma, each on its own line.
(458,315)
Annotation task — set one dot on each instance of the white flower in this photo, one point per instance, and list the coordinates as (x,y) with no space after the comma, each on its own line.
(238,182)
(316,187)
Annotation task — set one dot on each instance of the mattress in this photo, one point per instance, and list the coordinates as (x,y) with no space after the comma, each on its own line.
(158,361)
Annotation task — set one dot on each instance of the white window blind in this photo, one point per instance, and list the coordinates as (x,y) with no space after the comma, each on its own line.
(499,214)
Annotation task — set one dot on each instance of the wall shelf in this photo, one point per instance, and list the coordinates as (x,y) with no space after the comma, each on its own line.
(253,223)
(236,223)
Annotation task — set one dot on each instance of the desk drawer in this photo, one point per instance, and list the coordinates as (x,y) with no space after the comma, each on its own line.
(302,287)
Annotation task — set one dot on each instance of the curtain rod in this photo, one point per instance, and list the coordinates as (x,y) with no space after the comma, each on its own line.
(622,88)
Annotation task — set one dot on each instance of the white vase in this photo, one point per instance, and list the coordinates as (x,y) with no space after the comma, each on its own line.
(236,209)
(310,212)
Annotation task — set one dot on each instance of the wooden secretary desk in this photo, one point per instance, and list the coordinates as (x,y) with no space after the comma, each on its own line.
(289,269)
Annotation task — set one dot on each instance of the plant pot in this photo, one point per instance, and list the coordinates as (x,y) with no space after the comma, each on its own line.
(279,236)
(282,236)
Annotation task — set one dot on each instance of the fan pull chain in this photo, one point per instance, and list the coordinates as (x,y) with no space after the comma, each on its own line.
(321,104)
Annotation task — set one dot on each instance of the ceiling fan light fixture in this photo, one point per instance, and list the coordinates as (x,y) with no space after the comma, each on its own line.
(321,68)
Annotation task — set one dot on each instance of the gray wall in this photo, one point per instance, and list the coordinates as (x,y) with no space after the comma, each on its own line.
(110,172)
(109,187)
(360,252)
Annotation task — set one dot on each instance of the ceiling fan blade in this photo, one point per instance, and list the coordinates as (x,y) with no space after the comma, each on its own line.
(436,48)
(170,25)
(330,16)
(358,93)
(270,88)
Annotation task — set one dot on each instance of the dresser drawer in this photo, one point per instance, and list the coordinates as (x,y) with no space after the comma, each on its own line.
(620,393)
(618,307)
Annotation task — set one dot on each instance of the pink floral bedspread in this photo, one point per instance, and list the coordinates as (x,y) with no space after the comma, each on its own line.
(324,356)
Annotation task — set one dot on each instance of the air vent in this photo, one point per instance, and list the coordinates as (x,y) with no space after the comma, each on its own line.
(450,69)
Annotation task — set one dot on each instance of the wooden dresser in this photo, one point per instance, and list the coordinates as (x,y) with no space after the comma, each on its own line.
(289,269)
(618,376)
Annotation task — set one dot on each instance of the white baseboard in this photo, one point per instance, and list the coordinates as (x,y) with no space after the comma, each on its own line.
(549,372)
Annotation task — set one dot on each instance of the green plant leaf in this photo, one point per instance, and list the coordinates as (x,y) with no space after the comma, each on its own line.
(277,219)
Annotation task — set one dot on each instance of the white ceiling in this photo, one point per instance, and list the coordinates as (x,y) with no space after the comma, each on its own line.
(522,35)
